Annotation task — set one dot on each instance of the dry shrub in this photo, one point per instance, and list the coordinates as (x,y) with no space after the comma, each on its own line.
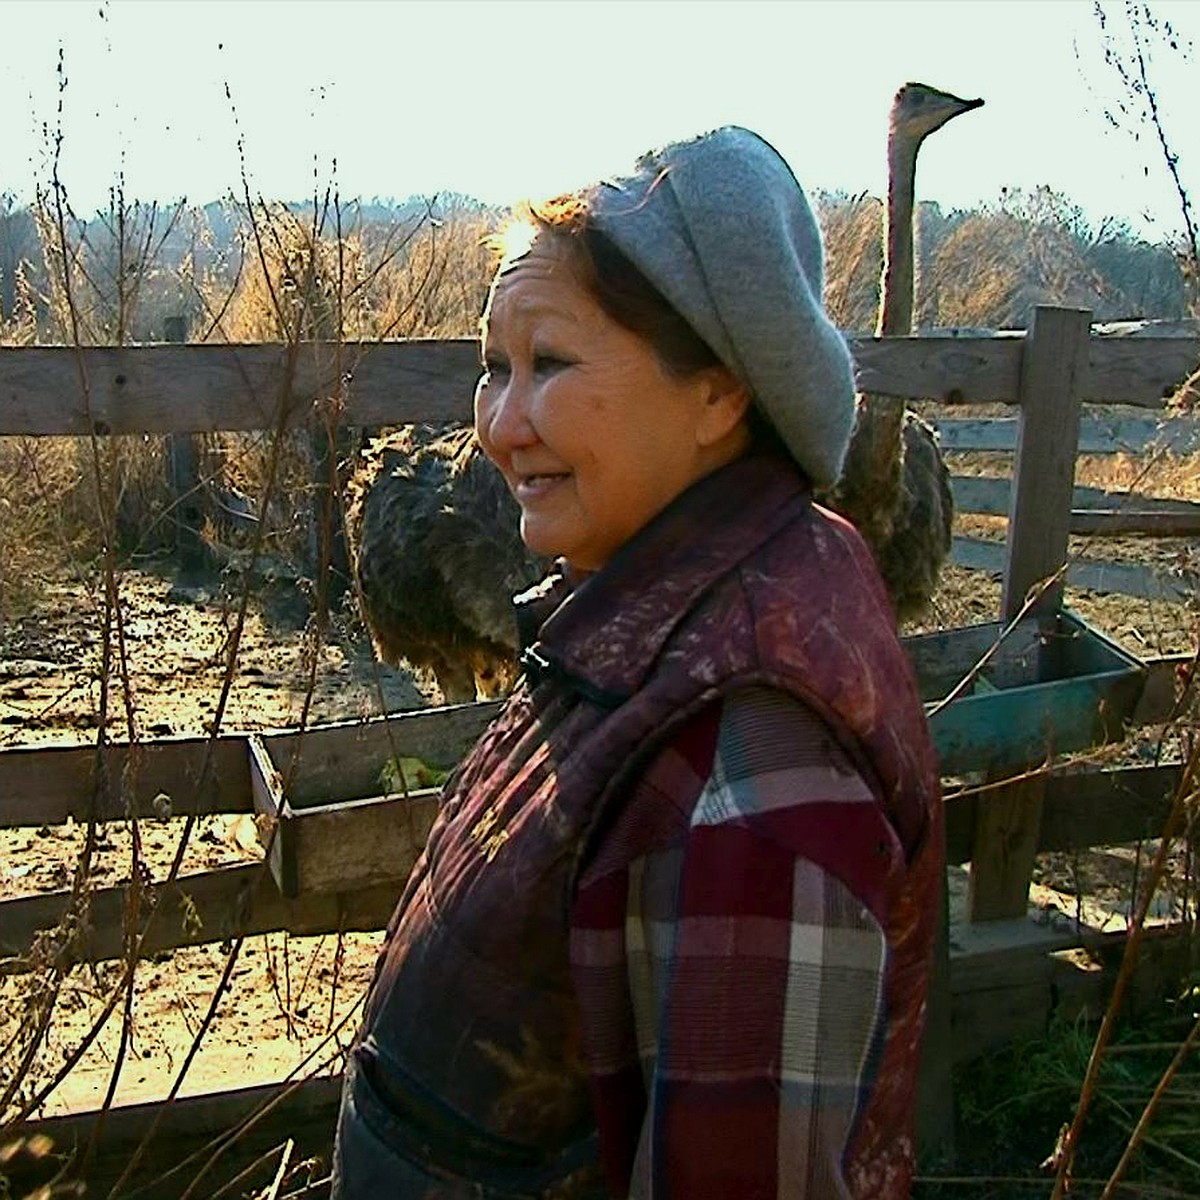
(34,474)
(51,509)
(330,275)
(992,270)
(853,232)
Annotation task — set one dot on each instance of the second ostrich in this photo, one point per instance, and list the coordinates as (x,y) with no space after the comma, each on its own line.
(895,486)
(438,557)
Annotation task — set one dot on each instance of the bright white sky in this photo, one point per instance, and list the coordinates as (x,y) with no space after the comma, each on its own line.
(503,99)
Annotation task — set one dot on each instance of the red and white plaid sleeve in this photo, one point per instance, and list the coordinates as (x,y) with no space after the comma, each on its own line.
(729,974)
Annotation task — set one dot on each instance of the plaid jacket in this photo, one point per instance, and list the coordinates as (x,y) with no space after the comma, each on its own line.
(509,1027)
(733,989)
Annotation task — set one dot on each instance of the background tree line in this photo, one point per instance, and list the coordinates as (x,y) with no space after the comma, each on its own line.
(419,268)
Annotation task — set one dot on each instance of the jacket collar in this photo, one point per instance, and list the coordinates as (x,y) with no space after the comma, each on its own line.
(603,635)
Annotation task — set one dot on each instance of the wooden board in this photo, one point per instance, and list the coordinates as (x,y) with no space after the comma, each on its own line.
(1014,990)
(336,827)
(187,1128)
(342,759)
(1003,848)
(1053,374)
(1096,575)
(44,785)
(1080,809)
(1097,435)
(342,846)
(197,388)
(971,370)
(1119,371)
(59,390)
(240,899)
(1093,510)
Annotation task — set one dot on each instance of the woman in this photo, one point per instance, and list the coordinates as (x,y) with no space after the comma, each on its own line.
(671,933)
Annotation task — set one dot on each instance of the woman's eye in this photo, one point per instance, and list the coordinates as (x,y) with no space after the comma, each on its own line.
(493,371)
(547,364)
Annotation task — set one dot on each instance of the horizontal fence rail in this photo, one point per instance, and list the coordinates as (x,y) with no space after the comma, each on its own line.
(1093,510)
(1097,435)
(160,389)
(1095,575)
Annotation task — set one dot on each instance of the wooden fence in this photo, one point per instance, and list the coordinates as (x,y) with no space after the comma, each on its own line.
(1004,973)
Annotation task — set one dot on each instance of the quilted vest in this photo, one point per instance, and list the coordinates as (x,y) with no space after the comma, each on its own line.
(470,1077)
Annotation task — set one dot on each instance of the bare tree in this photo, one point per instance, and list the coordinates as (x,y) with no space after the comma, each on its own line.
(1130,40)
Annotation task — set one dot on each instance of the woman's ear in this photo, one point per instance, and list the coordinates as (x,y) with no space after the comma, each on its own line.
(725,405)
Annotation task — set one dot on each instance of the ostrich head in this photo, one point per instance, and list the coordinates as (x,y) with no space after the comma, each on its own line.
(918,110)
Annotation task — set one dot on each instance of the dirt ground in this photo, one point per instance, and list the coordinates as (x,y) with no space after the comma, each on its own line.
(286,994)
(292,1001)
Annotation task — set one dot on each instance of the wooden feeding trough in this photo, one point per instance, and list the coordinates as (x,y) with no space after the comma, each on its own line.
(1053,685)
(340,807)
(338,820)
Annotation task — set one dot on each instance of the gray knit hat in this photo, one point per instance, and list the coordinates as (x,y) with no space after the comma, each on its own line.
(721,227)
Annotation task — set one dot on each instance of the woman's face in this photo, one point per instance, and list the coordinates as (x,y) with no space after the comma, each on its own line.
(591,432)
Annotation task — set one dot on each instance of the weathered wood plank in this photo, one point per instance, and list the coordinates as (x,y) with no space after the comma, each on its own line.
(1163,684)
(1110,522)
(935,1083)
(1106,808)
(336,847)
(44,785)
(1120,371)
(1003,849)
(973,370)
(1097,435)
(186,1127)
(1013,992)
(1094,511)
(1096,575)
(212,1113)
(342,760)
(196,388)
(991,495)
(1080,809)
(230,901)
(1053,372)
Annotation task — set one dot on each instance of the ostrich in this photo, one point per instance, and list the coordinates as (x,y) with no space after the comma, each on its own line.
(895,486)
(435,531)
(438,557)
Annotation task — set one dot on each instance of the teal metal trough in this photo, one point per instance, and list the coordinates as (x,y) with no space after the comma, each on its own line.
(1052,686)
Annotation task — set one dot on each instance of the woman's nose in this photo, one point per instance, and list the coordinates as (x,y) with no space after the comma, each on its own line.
(504,407)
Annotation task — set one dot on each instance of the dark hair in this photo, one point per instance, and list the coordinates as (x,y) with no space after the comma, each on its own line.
(621,289)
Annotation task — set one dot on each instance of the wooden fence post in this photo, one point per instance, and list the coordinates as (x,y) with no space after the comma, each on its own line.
(331,446)
(935,1115)
(183,481)
(1053,367)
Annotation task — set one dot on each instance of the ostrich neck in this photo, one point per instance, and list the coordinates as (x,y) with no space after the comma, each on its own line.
(896,302)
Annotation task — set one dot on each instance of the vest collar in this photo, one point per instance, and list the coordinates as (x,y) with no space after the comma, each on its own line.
(603,635)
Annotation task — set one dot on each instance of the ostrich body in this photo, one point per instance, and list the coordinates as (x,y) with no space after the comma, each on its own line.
(895,486)
(438,556)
